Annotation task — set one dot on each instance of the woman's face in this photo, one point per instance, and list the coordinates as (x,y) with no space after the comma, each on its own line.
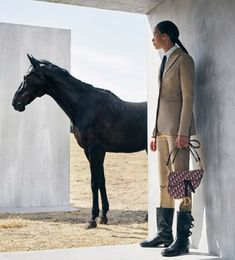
(158,39)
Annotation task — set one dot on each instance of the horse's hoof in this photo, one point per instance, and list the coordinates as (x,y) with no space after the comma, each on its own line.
(146,218)
(103,220)
(91,224)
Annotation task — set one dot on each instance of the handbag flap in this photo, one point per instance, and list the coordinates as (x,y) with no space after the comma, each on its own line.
(175,178)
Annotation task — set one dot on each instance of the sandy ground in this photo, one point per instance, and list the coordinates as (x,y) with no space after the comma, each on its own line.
(126,183)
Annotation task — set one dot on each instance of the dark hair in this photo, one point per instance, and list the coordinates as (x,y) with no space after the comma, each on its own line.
(171,29)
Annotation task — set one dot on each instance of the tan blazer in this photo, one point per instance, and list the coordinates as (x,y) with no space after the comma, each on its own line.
(175,102)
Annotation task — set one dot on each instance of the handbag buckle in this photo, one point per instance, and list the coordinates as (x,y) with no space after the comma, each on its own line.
(186,201)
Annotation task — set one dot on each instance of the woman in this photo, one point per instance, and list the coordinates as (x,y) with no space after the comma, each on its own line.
(173,127)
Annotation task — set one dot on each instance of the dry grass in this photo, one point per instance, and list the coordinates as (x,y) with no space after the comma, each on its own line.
(126,182)
(12,223)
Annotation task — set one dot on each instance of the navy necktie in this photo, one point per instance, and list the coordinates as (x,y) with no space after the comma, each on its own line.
(162,66)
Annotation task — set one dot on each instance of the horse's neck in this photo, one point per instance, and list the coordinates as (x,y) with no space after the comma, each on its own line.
(67,94)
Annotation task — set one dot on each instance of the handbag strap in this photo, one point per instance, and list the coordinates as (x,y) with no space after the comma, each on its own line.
(193,145)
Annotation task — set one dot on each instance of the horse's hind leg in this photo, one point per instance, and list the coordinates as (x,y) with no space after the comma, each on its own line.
(96,158)
(105,204)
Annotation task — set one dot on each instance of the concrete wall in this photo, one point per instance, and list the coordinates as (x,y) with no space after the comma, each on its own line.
(207,29)
(34,154)
(135,6)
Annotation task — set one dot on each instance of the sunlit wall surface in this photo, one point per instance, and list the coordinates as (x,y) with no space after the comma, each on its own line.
(34,144)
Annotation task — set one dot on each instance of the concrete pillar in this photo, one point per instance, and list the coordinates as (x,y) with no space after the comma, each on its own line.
(34,154)
(207,30)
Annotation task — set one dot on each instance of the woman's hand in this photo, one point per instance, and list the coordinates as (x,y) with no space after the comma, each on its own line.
(182,141)
(153,145)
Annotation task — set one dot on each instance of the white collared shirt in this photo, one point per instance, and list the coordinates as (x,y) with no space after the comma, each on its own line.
(168,53)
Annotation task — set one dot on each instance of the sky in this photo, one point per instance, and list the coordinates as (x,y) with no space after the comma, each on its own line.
(108,48)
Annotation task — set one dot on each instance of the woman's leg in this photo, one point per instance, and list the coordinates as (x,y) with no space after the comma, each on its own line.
(162,155)
(181,163)
(184,217)
(165,213)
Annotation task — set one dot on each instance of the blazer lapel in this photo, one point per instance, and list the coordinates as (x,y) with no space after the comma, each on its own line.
(172,59)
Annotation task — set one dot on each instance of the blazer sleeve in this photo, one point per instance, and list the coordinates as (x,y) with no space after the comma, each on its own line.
(154,134)
(187,76)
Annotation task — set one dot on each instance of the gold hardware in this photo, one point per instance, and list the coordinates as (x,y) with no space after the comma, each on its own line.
(187,201)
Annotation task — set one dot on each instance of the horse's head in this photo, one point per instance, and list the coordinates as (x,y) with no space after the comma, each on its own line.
(31,87)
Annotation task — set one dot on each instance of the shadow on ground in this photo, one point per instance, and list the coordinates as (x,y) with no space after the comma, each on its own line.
(115,217)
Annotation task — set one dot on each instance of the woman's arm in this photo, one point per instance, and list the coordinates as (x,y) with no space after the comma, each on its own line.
(187,75)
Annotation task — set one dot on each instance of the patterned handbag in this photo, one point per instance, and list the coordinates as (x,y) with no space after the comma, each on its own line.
(182,183)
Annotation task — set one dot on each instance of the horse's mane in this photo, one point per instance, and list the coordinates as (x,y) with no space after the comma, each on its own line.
(102,92)
(53,66)
(107,92)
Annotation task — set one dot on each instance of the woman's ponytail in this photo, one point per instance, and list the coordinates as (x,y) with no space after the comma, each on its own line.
(178,42)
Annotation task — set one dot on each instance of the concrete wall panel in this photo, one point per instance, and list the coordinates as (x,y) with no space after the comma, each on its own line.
(34,155)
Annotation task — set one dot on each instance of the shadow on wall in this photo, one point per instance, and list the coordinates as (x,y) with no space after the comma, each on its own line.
(208,206)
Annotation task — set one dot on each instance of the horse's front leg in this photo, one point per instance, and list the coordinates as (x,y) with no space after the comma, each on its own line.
(96,158)
(105,204)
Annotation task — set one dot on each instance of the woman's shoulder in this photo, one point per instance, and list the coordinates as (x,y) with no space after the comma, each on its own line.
(185,57)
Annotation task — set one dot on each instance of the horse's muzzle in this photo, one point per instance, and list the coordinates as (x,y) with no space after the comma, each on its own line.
(18,106)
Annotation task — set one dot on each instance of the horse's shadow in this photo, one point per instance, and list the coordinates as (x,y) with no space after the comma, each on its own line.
(116,216)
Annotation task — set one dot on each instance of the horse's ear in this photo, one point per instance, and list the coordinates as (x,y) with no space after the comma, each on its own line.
(33,61)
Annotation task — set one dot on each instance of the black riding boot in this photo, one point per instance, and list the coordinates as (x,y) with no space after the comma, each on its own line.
(181,244)
(164,229)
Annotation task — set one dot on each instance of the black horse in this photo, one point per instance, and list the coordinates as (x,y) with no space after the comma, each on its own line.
(102,122)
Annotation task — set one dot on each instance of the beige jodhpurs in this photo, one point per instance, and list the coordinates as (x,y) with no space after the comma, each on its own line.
(165,143)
